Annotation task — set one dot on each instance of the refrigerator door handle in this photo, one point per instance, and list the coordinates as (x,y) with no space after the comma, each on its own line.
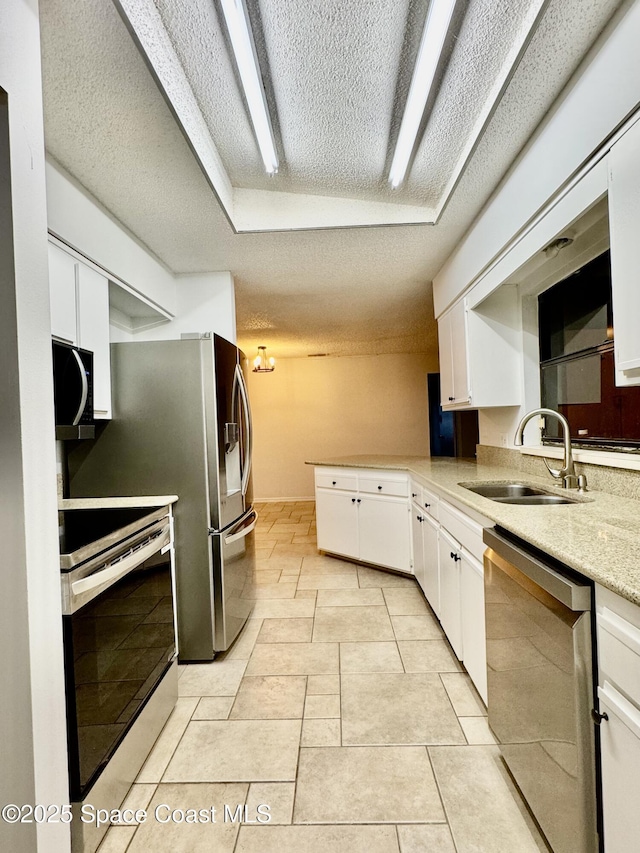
(246,411)
(243,528)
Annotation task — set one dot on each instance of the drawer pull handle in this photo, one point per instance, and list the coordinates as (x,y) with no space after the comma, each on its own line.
(333,482)
(420,518)
(597,717)
(426,506)
(452,399)
(379,488)
(359,499)
(455,557)
(414,494)
(353,500)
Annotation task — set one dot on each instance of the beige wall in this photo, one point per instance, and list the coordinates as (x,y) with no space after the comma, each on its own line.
(311,408)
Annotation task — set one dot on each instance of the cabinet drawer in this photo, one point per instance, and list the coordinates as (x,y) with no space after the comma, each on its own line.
(461,527)
(384,486)
(619,653)
(430,502)
(416,493)
(336,480)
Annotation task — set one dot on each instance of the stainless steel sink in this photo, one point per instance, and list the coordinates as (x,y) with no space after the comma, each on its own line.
(517,493)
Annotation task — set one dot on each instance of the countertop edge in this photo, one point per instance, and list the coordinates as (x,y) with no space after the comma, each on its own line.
(117,502)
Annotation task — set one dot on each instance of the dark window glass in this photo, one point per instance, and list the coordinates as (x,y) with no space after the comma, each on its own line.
(577,362)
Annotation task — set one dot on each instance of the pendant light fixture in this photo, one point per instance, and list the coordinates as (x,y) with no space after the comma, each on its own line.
(237,19)
(262,364)
(431,45)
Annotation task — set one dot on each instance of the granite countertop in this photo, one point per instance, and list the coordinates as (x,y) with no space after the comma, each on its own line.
(116,503)
(598,536)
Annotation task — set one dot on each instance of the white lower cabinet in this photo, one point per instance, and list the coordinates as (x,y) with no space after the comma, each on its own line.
(618,640)
(371,522)
(417,525)
(474,648)
(431,586)
(450,570)
(337,522)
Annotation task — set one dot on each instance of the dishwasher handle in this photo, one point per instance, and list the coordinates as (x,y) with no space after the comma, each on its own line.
(573,594)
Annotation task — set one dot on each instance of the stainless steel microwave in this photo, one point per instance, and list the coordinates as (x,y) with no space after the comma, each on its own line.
(73,391)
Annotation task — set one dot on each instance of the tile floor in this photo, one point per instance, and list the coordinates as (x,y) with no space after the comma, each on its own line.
(342,708)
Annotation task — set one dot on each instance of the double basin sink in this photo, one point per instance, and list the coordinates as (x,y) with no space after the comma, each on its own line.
(517,493)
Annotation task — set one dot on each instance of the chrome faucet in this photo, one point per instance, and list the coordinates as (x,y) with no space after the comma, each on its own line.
(570,480)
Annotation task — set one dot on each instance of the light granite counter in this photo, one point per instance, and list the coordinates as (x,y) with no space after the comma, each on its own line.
(598,536)
(116,503)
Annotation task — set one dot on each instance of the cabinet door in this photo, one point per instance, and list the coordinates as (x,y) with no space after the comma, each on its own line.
(447,394)
(337,522)
(384,531)
(459,366)
(450,618)
(620,757)
(624,215)
(431,585)
(93,328)
(472,619)
(417,523)
(62,295)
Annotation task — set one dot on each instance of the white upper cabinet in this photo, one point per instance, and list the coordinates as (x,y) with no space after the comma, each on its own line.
(62,295)
(452,342)
(79,298)
(481,351)
(624,222)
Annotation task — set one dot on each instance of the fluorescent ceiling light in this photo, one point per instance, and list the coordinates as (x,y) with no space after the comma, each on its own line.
(433,37)
(235,15)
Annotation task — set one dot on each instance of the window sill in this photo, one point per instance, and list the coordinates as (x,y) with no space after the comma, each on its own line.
(608,458)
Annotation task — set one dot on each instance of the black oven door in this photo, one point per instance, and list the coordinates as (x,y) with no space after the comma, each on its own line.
(117,649)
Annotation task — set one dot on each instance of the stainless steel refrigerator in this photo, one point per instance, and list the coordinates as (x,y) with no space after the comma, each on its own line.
(182,425)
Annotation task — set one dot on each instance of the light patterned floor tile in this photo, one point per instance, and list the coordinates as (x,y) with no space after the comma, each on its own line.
(482,808)
(476,730)
(286,631)
(236,750)
(322,706)
(322,732)
(317,839)
(218,678)
(428,656)
(213,708)
(366,785)
(317,684)
(426,838)
(168,836)
(243,645)
(117,839)
(378,577)
(278,796)
(421,626)
(294,659)
(261,591)
(397,708)
(328,581)
(370,657)
(282,608)
(463,695)
(405,602)
(271,697)
(349,597)
(352,624)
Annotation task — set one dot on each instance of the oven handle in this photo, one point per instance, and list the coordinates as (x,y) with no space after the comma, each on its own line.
(86,589)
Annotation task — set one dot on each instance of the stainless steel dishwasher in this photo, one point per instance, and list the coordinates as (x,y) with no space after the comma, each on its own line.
(540,688)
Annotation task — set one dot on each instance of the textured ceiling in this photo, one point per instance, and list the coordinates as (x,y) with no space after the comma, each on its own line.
(338,291)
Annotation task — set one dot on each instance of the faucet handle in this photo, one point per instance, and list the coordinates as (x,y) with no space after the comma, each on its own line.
(555,472)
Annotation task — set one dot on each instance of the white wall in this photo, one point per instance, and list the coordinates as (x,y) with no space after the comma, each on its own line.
(32,715)
(314,408)
(204,303)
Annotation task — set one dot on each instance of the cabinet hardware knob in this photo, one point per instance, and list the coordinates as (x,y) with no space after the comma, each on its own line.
(414,494)
(359,499)
(333,482)
(379,488)
(455,557)
(426,506)
(597,717)
(420,518)
(452,398)
(353,500)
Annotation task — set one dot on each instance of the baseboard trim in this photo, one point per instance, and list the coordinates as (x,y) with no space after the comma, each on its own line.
(282,500)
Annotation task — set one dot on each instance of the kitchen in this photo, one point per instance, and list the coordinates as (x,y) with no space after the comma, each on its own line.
(572,133)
